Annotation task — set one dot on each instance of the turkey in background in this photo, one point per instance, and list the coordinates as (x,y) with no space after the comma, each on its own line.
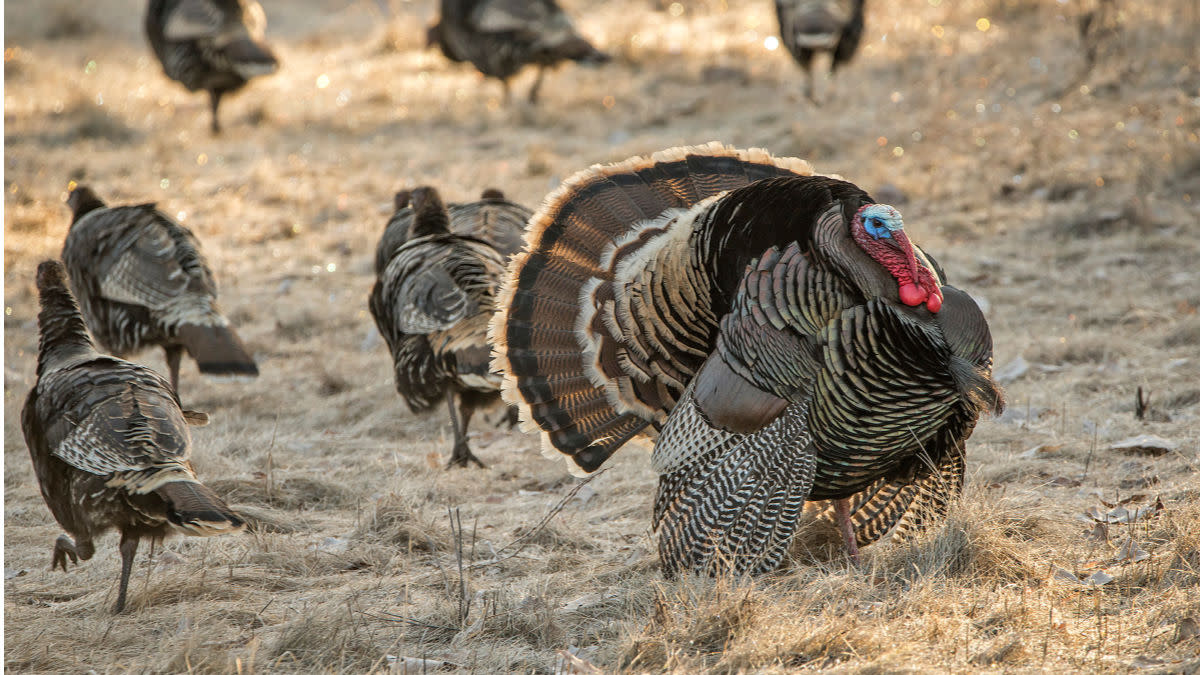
(500,37)
(214,45)
(432,300)
(821,35)
(141,281)
(109,443)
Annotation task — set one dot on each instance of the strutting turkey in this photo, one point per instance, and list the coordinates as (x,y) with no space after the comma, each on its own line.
(500,37)
(109,442)
(493,218)
(214,45)
(775,329)
(141,281)
(821,35)
(432,302)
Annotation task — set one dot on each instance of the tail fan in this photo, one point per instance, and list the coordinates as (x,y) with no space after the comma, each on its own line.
(582,51)
(197,510)
(249,58)
(730,502)
(584,400)
(217,350)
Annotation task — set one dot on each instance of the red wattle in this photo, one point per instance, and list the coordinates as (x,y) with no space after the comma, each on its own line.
(934,303)
(913,295)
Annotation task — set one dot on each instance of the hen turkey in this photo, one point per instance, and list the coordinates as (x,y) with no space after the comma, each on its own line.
(214,45)
(109,443)
(432,302)
(141,281)
(493,218)
(821,35)
(777,332)
(500,37)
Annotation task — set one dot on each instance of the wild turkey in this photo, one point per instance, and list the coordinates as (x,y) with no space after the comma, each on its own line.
(820,33)
(500,37)
(493,218)
(109,443)
(141,281)
(432,302)
(776,331)
(214,45)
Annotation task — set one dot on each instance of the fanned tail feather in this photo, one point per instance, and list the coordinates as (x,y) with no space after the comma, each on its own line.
(197,510)
(217,349)
(573,388)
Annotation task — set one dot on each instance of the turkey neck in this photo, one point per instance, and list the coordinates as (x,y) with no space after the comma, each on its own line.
(155,14)
(86,204)
(63,334)
(429,214)
(737,228)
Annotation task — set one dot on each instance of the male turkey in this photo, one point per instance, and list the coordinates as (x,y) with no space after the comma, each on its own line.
(109,443)
(775,329)
(820,33)
(214,45)
(432,302)
(500,37)
(493,218)
(141,281)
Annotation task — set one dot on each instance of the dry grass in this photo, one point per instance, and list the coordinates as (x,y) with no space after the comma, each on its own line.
(1066,201)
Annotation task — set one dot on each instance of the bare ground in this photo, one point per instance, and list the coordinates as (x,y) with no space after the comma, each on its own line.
(1069,203)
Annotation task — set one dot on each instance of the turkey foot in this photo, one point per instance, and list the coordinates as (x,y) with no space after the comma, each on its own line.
(462,457)
(63,548)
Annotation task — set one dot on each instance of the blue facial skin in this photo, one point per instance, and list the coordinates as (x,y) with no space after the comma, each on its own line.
(881,221)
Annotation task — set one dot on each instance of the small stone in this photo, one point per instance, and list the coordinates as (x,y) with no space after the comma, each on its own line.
(1131,552)
(1012,370)
(1147,444)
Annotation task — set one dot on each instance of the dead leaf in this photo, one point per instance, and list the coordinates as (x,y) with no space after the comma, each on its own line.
(1146,444)
(1122,515)
(1187,629)
(1065,575)
(1099,533)
(573,665)
(1041,451)
(1065,481)
(1131,552)
(1098,578)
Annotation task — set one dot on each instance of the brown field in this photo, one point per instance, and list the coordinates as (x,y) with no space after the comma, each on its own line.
(1068,202)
